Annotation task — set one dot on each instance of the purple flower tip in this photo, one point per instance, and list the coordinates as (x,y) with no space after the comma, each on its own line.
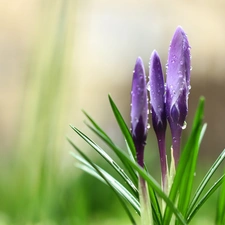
(157,94)
(139,104)
(177,87)
(178,78)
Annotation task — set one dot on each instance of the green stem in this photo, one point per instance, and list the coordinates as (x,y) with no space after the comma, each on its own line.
(146,210)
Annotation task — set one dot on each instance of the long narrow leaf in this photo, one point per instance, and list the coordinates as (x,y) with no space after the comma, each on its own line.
(99,172)
(106,137)
(155,185)
(109,142)
(116,184)
(188,176)
(154,200)
(216,185)
(130,143)
(185,156)
(220,215)
(99,132)
(123,126)
(205,180)
(111,162)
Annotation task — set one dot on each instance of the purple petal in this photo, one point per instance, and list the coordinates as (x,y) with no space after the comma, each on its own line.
(157,96)
(178,77)
(139,104)
(177,87)
(157,93)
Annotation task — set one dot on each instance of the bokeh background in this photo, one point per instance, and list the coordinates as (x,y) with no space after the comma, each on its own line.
(59,57)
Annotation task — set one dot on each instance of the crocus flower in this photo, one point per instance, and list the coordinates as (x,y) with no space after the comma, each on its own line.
(139,128)
(157,101)
(177,87)
(139,110)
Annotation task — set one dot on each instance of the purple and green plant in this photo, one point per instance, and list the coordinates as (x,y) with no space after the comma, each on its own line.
(157,96)
(168,102)
(177,87)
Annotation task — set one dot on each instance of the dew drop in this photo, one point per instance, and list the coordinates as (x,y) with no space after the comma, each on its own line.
(184,125)
(148,126)
(194,174)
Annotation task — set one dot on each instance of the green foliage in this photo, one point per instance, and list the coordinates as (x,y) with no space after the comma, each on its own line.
(180,202)
(220,217)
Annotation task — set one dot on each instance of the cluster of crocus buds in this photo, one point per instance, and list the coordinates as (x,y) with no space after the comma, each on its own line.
(168,101)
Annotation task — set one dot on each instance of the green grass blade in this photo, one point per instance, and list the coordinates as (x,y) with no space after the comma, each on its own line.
(155,186)
(188,176)
(220,215)
(109,142)
(216,185)
(97,127)
(111,162)
(154,200)
(205,180)
(157,215)
(100,133)
(123,127)
(184,161)
(129,151)
(99,172)
(84,165)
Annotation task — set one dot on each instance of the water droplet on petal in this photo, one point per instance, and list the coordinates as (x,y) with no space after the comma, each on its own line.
(184,125)
(148,126)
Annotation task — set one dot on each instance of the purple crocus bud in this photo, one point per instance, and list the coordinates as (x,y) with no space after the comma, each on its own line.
(177,87)
(139,110)
(157,101)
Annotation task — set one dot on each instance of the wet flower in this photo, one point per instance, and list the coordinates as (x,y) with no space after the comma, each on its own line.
(139,129)
(177,87)
(157,101)
(157,96)
(139,110)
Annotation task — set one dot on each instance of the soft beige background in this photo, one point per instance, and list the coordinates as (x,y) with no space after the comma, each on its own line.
(108,36)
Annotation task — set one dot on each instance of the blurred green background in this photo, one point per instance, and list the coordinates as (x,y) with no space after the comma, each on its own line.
(58,57)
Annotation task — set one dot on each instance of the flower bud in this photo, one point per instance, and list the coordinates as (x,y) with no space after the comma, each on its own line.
(157,100)
(157,94)
(139,109)
(178,86)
